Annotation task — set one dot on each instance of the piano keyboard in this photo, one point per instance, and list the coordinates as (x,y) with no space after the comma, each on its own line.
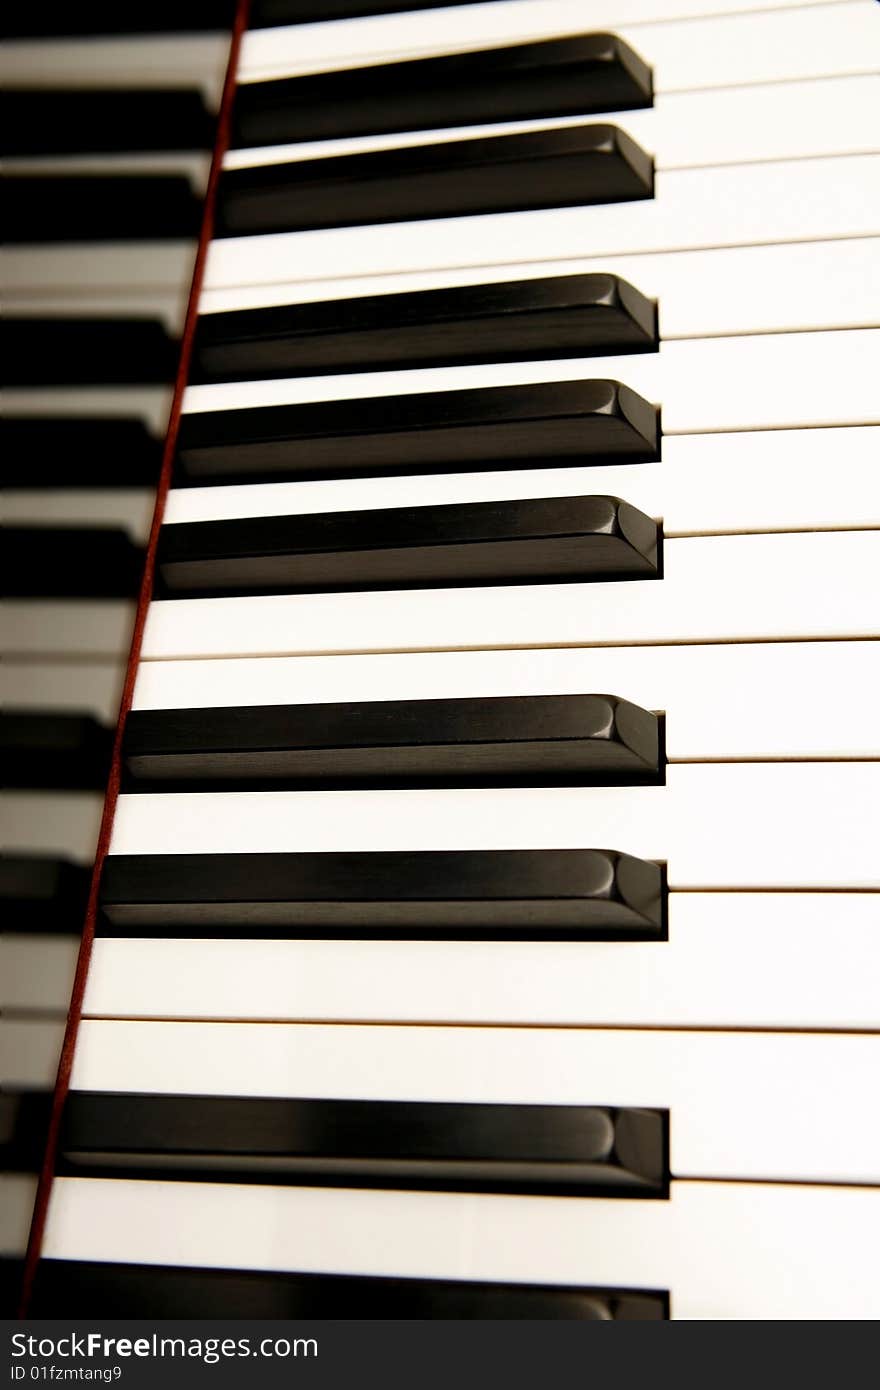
(489,922)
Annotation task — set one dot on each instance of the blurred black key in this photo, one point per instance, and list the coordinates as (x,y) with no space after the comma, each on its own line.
(561,1150)
(561,316)
(114,120)
(559,168)
(573,422)
(82,352)
(513,740)
(450,895)
(24,1123)
(53,749)
(534,540)
(60,17)
(11,1276)
(47,452)
(70,562)
(85,1289)
(572,76)
(101,208)
(42,894)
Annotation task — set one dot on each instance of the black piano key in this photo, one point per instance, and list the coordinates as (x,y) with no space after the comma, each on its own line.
(536,540)
(572,76)
(11,1276)
(50,452)
(266,14)
(559,168)
(85,351)
(110,121)
(85,1289)
(60,17)
(54,749)
(24,1124)
(564,316)
(70,562)
(574,422)
(552,1150)
(502,741)
(106,207)
(43,894)
(487,895)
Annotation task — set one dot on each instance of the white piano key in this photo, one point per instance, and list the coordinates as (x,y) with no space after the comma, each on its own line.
(714,589)
(764,382)
(146,61)
(78,628)
(730,701)
(725,1250)
(817,955)
(147,403)
(17,1193)
(706,484)
(59,823)
(29,1051)
(284,50)
(682,130)
(36,971)
(64,267)
(770,45)
(748,289)
(91,687)
(128,508)
(742,1105)
(705,50)
(726,825)
(755,204)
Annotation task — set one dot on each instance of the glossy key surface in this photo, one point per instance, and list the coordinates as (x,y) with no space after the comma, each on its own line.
(565,167)
(551,1149)
(395,742)
(565,316)
(80,1288)
(570,76)
(507,427)
(527,541)
(582,894)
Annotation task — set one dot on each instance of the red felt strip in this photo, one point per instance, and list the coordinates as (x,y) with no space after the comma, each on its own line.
(62,1081)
